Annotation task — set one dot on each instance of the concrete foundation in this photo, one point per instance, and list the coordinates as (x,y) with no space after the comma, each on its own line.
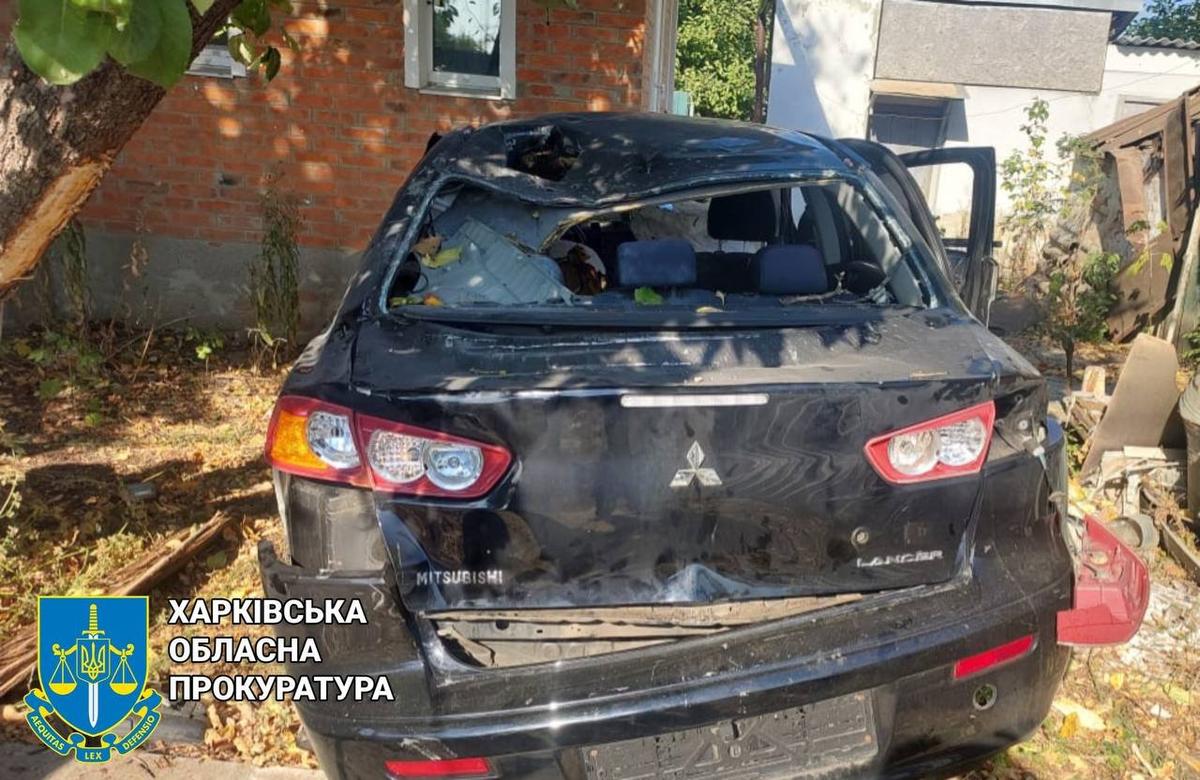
(181,281)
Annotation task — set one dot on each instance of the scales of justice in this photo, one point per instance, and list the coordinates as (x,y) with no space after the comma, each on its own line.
(92,651)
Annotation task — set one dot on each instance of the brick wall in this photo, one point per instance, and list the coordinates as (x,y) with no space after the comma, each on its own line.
(338,128)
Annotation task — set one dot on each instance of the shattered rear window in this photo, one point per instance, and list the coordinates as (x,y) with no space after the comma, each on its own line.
(754,248)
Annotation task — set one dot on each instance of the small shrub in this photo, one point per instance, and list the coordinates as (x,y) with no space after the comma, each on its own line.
(275,274)
(1079,298)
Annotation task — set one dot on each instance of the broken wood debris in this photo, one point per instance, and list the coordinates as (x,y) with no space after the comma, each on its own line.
(18,656)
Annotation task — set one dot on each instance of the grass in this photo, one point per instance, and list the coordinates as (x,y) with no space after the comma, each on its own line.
(85,418)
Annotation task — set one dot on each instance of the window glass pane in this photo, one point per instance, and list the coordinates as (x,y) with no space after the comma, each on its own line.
(466,36)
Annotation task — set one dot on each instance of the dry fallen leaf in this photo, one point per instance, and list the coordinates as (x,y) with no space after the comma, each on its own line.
(428,246)
(1069,727)
(442,258)
(1081,715)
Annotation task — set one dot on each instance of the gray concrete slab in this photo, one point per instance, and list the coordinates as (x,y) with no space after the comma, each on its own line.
(23,761)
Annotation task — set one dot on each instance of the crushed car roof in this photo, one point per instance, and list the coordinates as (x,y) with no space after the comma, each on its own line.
(601,157)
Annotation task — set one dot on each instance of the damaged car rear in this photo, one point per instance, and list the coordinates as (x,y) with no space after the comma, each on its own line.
(662,447)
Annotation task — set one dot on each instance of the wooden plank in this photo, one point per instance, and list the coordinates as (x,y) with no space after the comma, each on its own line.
(1179,550)
(20,654)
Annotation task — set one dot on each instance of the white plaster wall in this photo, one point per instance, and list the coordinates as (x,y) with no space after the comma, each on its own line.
(822,63)
(994,115)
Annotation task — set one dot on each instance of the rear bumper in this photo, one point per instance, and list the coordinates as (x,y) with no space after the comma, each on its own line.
(897,649)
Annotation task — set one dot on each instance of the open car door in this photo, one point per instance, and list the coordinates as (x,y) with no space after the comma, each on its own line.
(963,239)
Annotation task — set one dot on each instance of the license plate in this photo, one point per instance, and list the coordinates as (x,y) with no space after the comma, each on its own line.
(816,739)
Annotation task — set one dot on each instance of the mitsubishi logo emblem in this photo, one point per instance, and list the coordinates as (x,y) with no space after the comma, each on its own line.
(694,470)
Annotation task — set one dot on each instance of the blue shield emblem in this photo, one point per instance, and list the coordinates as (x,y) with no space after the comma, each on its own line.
(92,666)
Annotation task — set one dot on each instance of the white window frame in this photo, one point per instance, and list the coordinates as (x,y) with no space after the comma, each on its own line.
(215,61)
(418,56)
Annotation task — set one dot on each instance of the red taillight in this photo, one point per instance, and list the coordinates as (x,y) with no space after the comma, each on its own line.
(294,430)
(990,659)
(406,459)
(1112,591)
(317,439)
(950,446)
(440,767)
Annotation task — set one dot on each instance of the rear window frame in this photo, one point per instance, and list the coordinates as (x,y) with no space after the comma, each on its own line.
(911,246)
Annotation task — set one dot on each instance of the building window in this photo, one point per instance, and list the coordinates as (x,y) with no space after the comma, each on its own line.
(464,47)
(215,61)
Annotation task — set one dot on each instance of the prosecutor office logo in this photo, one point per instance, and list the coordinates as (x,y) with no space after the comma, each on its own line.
(92,669)
(695,471)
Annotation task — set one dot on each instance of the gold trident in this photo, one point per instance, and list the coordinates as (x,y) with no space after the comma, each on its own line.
(93,659)
(93,662)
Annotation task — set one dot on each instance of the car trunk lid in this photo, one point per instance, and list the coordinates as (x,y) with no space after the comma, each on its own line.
(679,467)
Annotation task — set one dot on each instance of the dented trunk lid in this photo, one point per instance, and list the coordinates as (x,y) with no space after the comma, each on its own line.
(679,467)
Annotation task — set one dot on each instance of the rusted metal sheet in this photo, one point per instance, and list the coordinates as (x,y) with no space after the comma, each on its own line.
(1151,156)
(514,637)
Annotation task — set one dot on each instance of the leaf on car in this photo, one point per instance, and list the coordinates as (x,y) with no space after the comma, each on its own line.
(428,246)
(442,258)
(405,300)
(708,310)
(432,300)
(646,296)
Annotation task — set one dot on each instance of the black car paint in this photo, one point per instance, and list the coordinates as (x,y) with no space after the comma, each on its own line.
(1006,573)
(796,489)
(899,645)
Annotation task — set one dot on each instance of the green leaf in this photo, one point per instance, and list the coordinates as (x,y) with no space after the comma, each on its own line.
(241,49)
(60,41)
(646,296)
(254,16)
(119,10)
(173,51)
(292,43)
(137,41)
(271,63)
(50,388)
(202,6)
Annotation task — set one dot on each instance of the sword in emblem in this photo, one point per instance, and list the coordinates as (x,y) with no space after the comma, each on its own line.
(92,662)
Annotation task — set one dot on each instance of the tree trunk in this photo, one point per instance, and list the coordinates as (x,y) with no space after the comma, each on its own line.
(1068,346)
(56,143)
(764,24)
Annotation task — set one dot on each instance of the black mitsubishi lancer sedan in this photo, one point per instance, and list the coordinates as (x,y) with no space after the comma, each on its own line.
(658,447)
